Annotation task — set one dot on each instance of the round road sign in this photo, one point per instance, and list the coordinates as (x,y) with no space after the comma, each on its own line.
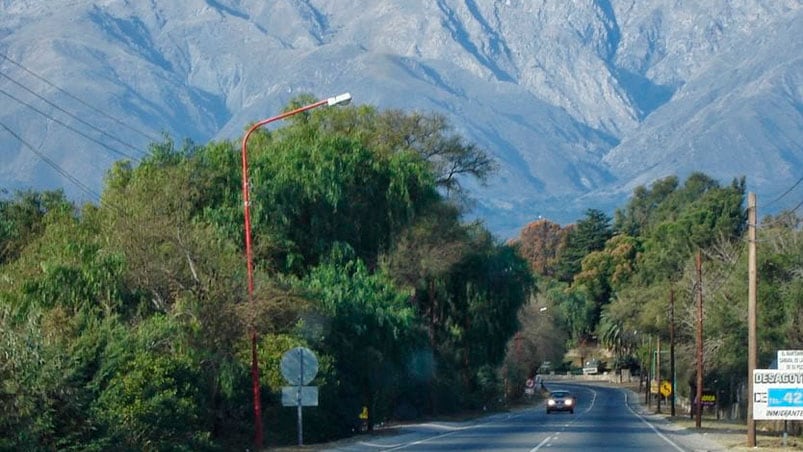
(299,366)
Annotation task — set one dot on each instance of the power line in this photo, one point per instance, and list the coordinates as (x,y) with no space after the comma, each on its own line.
(796,207)
(781,219)
(82,121)
(785,193)
(53,164)
(97,110)
(102,144)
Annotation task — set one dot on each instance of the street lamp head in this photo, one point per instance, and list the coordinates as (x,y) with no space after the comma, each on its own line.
(344,99)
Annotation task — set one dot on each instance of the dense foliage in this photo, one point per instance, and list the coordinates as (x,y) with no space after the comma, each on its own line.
(124,325)
(611,284)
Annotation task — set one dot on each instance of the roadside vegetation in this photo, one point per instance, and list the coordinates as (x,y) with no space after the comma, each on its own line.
(124,325)
(608,282)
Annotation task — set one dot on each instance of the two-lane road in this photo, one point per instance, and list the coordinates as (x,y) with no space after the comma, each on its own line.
(603,420)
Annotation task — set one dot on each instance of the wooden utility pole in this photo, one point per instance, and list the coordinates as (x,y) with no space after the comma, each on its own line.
(698,421)
(658,372)
(751,314)
(672,348)
(648,386)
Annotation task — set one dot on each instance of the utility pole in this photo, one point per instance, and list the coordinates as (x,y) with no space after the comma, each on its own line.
(658,373)
(698,421)
(672,348)
(648,386)
(751,314)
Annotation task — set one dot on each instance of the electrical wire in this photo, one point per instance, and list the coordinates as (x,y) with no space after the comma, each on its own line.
(122,123)
(785,193)
(77,118)
(102,144)
(53,164)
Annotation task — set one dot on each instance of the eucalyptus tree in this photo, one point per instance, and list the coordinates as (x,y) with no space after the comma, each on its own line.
(486,290)
(696,216)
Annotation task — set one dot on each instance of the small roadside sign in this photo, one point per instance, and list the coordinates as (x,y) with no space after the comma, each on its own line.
(299,367)
(790,360)
(666,388)
(300,395)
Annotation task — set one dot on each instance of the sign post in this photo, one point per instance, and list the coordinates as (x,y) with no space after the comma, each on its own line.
(299,367)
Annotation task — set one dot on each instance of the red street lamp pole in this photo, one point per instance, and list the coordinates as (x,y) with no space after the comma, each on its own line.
(343,98)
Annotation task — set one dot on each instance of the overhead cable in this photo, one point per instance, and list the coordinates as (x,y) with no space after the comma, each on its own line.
(785,193)
(56,120)
(52,164)
(122,123)
(77,118)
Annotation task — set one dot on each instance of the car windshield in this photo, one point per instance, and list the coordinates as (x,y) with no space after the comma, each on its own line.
(560,394)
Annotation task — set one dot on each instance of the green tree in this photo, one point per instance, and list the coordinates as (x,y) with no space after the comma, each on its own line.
(590,234)
(486,290)
(313,190)
(151,390)
(639,213)
(700,215)
(370,333)
(428,135)
(22,219)
(605,271)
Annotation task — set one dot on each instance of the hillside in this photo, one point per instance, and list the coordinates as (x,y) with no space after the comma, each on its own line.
(579,102)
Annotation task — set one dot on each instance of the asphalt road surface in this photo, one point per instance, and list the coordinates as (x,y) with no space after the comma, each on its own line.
(606,418)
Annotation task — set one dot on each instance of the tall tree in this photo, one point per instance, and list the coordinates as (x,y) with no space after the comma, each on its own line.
(427,134)
(696,216)
(369,333)
(640,211)
(541,242)
(590,234)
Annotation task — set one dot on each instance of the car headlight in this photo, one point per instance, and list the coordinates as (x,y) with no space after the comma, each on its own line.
(568,402)
(550,402)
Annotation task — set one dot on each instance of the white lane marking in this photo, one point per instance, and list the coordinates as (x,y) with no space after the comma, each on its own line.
(657,432)
(541,444)
(398,446)
(547,442)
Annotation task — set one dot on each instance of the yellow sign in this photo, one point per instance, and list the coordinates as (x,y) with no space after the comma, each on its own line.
(666,388)
(364,413)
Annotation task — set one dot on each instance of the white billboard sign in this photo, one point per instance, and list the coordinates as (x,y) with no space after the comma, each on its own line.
(777,394)
(790,360)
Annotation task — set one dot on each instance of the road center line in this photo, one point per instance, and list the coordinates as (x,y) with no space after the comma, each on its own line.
(541,444)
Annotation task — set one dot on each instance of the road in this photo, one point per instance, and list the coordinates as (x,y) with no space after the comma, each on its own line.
(606,418)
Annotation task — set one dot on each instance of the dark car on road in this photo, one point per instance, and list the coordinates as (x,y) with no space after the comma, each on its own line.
(560,401)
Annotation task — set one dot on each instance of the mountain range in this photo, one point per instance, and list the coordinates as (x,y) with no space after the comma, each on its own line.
(578,101)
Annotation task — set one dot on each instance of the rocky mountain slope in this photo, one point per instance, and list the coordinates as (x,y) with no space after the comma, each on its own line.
(579,101)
